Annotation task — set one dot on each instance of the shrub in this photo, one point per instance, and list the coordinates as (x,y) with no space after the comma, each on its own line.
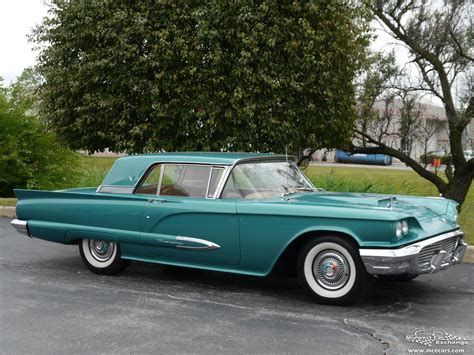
(31,157)
(428,158)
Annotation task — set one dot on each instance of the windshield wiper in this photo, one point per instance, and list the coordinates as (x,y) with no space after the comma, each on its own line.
(288,191)
(304,188)
(295,190)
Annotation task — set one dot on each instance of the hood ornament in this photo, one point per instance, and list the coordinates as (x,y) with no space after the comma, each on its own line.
(387,202)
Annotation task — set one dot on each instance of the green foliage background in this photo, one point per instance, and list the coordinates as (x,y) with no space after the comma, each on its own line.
(200,75)
(30,155)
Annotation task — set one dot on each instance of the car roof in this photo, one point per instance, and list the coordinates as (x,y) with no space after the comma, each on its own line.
(220,158)
(127,170)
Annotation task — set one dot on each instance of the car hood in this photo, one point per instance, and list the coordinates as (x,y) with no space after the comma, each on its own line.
(420,207)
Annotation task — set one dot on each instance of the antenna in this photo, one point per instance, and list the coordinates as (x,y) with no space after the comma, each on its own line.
(287,168)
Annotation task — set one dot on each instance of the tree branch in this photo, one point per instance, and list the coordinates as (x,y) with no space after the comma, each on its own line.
(381,148)
(305,158)
(470,109)
(460,50)
(394,22)
(398,31)
(426,78)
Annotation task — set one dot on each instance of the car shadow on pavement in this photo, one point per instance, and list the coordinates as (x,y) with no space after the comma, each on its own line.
(381,293)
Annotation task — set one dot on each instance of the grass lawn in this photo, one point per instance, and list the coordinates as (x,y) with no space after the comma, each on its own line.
(93,170)
(363,179)
(7,201)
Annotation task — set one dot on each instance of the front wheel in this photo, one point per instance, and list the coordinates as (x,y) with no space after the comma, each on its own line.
(331,271)
(102,257)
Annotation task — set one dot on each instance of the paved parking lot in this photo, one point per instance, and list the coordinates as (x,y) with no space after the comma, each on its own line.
(50,303)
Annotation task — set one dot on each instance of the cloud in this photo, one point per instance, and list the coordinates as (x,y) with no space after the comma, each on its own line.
(17,18)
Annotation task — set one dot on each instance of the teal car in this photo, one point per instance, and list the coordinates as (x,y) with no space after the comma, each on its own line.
(248,214)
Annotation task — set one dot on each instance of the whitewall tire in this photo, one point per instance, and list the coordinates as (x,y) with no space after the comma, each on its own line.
(102,256)
(331,271)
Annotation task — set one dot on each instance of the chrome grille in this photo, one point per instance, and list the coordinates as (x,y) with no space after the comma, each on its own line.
(427,252)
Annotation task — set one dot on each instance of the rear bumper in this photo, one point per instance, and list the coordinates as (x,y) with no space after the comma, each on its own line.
(21,227)
(427,256)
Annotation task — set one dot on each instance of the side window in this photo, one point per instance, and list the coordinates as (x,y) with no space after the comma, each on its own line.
(216,175)
(150,185)
(185,180)
(236,184)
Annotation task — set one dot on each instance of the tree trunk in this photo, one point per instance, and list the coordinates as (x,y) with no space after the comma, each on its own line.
(459,185)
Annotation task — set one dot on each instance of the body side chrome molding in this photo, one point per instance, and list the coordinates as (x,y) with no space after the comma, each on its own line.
(205,244)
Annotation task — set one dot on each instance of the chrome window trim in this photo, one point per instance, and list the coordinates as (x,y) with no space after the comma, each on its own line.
(308,181)
(163,166)
(225,178)
(228,167)
(214,167)
(125,189)
(209,182)
(162,172)
(221,184)
(408,250)
(149,167)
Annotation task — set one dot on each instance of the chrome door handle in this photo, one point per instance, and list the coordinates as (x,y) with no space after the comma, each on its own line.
(156,200)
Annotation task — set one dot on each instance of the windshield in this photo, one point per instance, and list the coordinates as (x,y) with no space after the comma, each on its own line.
(265,179)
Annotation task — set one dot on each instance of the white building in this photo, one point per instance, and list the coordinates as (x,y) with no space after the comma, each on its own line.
(426,131)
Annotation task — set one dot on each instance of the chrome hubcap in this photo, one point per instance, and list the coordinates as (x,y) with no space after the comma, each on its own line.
(101,250)
(331,269)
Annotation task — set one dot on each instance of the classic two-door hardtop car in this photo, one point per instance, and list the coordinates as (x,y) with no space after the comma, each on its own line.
(245,213)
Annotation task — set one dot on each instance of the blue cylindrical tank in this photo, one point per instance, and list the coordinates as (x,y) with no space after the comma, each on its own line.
(369,159)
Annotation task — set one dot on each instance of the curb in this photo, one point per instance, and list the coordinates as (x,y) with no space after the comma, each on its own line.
(469,256)
(9,211)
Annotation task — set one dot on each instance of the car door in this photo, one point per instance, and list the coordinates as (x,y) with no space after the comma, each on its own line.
(184,221)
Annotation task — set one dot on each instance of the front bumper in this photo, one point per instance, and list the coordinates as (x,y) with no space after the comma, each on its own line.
(427,256)
(21,226)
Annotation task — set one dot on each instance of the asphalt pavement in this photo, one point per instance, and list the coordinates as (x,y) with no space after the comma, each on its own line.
(50,303)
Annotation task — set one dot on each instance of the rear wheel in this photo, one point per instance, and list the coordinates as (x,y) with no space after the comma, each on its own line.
(102,256)
(331,271)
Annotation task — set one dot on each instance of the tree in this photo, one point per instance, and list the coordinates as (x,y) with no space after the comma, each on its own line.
(30,156)
(201,75)
(375,86)
(410,123)
(439,38)
(23,92)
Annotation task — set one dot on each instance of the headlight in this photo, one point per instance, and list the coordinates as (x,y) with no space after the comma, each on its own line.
(398,230)
(405,227)
(401,229)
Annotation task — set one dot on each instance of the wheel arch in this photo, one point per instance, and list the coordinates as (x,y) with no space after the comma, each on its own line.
(286,262)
